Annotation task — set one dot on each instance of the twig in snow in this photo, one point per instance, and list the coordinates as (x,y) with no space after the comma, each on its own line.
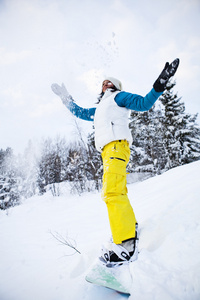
(65,241)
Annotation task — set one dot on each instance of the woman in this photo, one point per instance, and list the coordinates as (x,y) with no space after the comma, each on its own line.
(112,139)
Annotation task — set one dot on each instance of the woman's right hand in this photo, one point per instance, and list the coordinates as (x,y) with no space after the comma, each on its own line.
(62,92)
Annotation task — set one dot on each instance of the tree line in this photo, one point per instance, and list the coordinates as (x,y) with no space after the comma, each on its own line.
(163,138)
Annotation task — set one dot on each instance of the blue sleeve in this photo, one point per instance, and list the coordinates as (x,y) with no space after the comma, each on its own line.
(137,102)
(86,114)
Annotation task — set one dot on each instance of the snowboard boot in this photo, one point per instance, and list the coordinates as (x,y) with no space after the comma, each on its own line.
(118,254)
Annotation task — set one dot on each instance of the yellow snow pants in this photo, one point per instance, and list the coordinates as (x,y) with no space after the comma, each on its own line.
(122,220)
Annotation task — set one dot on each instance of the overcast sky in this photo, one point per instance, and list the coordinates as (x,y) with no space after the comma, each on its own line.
(78,42)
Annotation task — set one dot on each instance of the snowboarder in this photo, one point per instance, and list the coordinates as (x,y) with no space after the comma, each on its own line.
(112,139)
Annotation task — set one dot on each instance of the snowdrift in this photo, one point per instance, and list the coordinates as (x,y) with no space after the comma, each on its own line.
(35,265)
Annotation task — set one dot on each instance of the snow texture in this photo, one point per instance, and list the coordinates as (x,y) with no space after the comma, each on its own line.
(34,265)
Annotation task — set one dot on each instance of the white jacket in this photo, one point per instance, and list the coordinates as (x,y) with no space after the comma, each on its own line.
(111,121)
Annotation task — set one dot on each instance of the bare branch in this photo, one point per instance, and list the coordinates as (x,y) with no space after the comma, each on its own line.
(65,241)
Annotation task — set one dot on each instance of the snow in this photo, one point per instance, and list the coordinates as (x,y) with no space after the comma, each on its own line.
(34,265)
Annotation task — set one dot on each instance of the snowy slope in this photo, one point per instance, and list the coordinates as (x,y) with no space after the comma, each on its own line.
(34,265)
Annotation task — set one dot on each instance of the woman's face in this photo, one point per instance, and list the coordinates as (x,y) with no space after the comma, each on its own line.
(106,85)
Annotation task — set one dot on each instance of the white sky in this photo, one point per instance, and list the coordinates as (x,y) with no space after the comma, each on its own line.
(78,42)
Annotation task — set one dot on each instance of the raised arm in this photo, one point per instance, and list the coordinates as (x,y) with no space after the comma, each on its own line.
(82,113)
(139,103)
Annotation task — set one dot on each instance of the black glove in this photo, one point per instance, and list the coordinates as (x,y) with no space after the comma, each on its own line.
(168,71)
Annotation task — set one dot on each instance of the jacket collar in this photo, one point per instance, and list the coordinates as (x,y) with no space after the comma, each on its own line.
(108,93)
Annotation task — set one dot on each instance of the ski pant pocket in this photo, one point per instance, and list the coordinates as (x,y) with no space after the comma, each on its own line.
(113,184)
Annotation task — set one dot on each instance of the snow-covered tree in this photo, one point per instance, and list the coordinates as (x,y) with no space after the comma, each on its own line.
(9,180)
(165,136)
(181,134)
(95,166)
(147,149)
(85,166)
(52,164)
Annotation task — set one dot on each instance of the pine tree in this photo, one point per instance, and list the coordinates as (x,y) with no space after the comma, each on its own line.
(181,134)
(164,137)
(191,140)
(9,180)
(140,158)
(147,149)
(50,165)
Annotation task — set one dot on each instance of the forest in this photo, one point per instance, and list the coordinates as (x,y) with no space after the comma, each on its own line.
(164,137)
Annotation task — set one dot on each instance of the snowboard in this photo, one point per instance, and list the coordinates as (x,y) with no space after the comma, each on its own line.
(116,278)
